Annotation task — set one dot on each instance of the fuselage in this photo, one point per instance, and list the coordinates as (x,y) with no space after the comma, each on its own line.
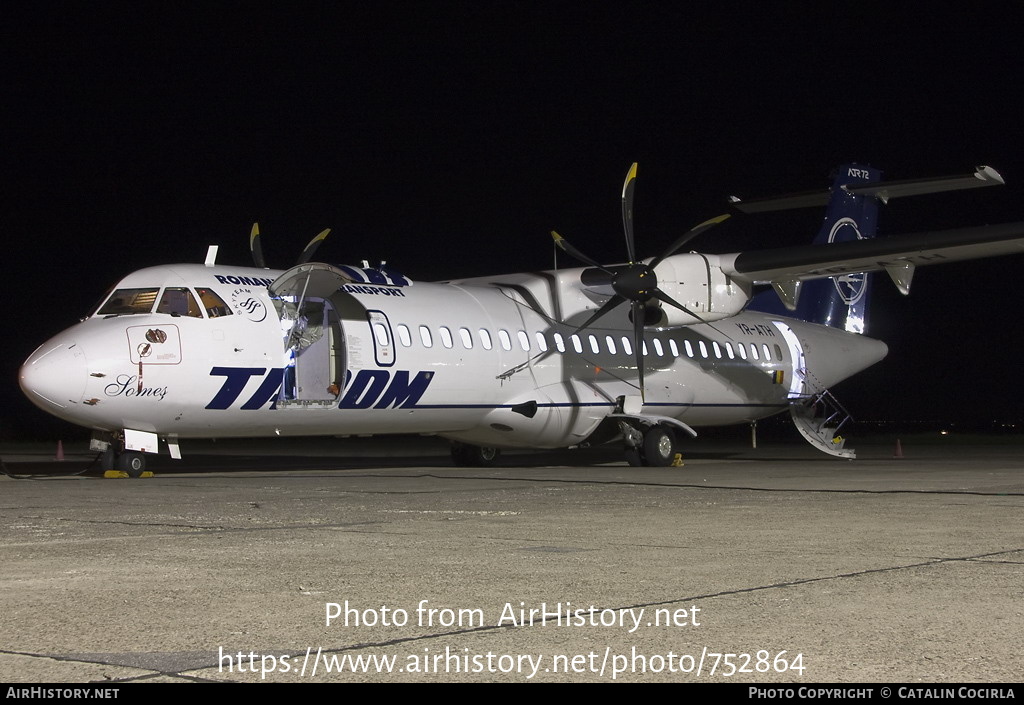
(207,351)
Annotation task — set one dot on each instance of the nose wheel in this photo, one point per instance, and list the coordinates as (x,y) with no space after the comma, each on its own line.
(130,462)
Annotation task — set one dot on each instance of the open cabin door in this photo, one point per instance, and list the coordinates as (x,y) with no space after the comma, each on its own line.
(314,311)
(817,415)
(798,374)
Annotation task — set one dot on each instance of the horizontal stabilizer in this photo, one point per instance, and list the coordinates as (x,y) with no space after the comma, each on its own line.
(883,190)
(983,176)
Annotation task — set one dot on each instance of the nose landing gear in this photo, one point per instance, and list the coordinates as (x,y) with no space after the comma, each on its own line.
(121,463)
(132,462)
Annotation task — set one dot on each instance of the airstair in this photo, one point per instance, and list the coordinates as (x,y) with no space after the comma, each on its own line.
(819,416)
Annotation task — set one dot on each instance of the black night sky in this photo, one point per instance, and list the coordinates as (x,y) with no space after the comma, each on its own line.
(449,138)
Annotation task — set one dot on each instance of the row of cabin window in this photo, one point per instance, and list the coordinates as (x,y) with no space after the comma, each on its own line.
(593,344)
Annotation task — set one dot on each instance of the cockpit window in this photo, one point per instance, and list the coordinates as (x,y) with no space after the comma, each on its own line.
(213,304)
(179,301)
(124,301)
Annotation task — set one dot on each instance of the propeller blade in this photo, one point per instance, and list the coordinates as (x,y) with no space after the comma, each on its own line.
(608,306)
(627,211)
(255,248)
(638,342)
(687,236)
(312,246)
(564,245)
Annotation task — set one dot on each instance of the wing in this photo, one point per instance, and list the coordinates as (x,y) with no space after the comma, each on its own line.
(785,267)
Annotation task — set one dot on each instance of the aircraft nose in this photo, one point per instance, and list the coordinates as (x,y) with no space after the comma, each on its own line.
(54,375)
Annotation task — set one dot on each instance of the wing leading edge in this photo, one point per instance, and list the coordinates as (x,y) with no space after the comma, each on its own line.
(791,264)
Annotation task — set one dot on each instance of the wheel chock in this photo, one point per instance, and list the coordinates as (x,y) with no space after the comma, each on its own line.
(677,462)
(118,474)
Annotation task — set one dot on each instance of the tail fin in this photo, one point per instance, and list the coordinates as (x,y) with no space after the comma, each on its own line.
(840,301)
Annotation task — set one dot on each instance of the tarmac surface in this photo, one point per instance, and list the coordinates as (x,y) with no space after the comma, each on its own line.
(290,563)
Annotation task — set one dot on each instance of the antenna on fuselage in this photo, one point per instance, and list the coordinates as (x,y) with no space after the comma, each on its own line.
(211,255)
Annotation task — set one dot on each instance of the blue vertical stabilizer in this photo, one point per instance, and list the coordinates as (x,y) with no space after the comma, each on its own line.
(840,301)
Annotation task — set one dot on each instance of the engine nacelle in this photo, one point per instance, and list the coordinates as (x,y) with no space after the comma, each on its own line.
(697,282)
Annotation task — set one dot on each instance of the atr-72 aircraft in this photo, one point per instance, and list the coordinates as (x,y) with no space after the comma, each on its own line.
(645,351)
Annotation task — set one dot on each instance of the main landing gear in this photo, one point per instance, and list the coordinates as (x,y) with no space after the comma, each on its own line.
(470,456)
(654,446)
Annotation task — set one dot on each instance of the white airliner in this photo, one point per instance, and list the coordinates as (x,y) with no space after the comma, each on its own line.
(643,352)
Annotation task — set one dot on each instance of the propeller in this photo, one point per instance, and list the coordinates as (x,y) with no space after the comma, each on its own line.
(634,283)
(311,248)
(255,248)
(307,252)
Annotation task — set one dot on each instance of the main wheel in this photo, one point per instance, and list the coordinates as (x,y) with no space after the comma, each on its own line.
(659,447)
(470,456)
(132,463)
(634,458)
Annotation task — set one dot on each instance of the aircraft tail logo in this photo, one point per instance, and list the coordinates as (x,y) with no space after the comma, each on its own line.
(840,301)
